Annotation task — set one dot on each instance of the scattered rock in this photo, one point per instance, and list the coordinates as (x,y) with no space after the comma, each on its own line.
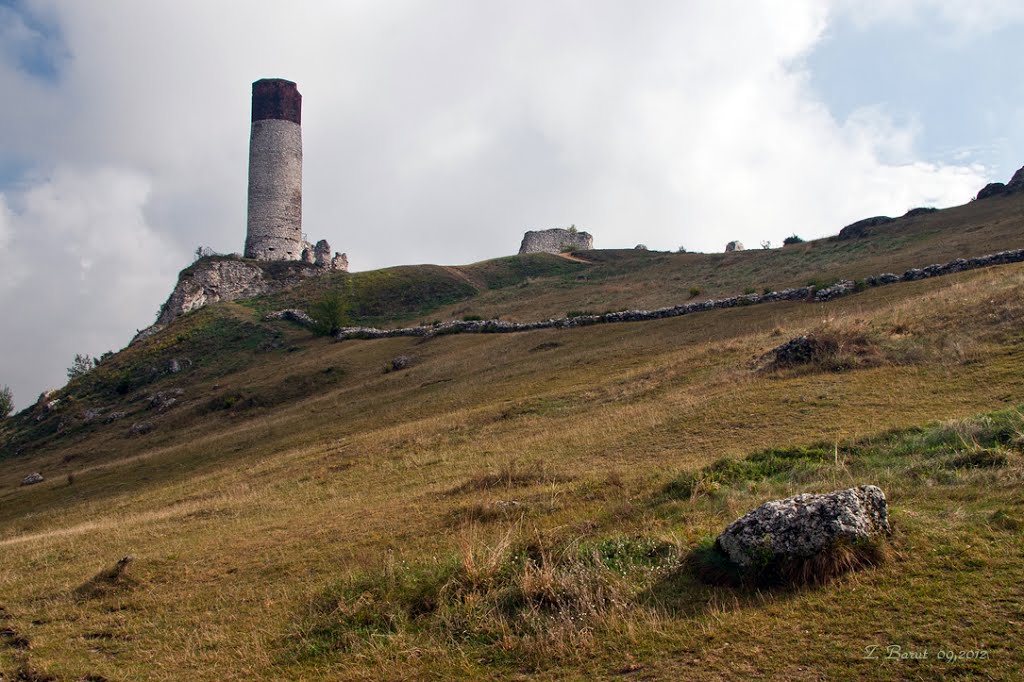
(862,228)
(161,401)
(114,416)
(802,527)
(91,414)
(32,479)
(733,246)
(141,428)
(399,363)
(175,365)
(798,351)
(291,315)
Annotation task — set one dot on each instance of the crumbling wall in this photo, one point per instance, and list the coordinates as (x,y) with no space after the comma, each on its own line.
(556,240)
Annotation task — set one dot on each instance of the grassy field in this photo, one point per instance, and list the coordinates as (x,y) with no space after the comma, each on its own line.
(526,506)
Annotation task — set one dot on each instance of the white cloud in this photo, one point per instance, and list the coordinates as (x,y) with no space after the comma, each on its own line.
(434,132)
(81,270)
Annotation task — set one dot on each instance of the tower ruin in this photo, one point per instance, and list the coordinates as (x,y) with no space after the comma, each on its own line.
(274,228)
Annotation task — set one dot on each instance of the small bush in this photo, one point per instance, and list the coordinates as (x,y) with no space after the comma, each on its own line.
(6,402)
(330,314)
(793,239)
(80,366)
(695,292)
(749,290)
(471,318)
(525,596)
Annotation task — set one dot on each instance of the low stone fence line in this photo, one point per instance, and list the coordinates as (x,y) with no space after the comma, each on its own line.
(810,294)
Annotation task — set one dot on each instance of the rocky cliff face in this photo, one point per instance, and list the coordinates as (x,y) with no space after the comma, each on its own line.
(555,240)
(212,281)
(995,189)
(217,279)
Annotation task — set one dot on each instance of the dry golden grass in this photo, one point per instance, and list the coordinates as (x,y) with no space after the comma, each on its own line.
(239,518)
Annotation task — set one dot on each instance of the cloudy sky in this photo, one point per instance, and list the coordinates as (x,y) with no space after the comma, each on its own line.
(438,131)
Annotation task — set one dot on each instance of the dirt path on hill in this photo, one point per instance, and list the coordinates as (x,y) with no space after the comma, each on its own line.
(464,277)
(572,257)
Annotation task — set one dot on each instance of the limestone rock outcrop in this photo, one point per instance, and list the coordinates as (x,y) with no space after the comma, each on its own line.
(320,256)
(804,526)
(226,278)
(211,281)
(556,240)
(733,246)
(995,189)
(862,228)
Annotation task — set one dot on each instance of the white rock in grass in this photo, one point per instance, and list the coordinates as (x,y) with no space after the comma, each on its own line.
(803,526)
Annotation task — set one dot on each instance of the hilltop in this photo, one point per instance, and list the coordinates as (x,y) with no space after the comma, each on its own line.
(502,506)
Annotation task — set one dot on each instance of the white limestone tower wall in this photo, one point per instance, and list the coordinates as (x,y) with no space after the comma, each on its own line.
(274,229)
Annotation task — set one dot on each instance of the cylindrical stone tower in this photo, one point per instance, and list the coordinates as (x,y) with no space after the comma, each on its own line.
(274,230)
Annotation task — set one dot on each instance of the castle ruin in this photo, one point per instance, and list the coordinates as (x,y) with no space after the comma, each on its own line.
(274,225)
(274,229)
(556,240)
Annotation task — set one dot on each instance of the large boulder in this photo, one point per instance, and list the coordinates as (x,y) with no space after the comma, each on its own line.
(32,479)
(733,246)
(800,528)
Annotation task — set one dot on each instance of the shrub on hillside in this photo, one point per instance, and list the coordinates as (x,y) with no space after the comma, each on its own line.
(80,366)
(793,239)
(534,595)
(6,402)
(694,292)
(330,314)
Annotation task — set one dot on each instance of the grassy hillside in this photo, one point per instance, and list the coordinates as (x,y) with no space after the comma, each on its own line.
(525,505)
